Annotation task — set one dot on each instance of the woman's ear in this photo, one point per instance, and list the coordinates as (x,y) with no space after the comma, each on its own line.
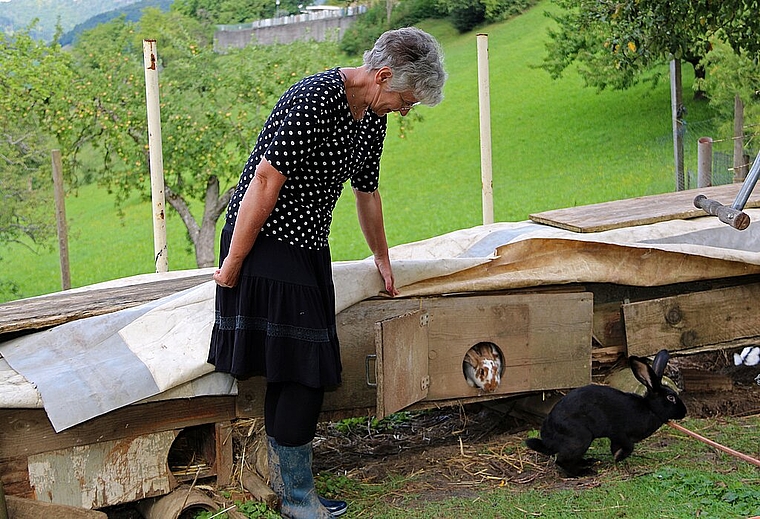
(383,75)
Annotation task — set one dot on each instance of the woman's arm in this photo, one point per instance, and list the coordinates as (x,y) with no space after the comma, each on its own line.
(369,209)
(256,206)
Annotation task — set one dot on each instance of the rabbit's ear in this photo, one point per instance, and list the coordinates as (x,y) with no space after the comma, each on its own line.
(644,373)
(660,361)
(472,358)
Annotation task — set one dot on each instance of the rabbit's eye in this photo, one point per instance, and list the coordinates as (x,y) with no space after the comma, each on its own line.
(671,399)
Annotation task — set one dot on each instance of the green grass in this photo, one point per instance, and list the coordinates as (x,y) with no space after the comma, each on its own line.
(669,476)
(555,144)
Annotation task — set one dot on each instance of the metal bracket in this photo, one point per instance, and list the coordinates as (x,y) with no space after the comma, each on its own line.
(371,359)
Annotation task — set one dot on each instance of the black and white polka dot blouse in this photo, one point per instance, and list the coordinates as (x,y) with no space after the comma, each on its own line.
(312,138)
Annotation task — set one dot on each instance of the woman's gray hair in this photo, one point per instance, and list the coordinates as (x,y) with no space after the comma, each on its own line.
(416,60)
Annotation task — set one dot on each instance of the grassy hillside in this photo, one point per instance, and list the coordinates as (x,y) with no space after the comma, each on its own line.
(555,144)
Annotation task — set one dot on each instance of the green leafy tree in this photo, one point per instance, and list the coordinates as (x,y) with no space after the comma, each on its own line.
(212,109)
(616,43)
(34,76)
(730,74)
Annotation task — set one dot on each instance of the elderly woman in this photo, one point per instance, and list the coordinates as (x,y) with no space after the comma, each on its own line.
(275,299)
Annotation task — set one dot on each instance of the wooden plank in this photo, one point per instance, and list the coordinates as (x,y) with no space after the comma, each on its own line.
(15,477)
(19,508)
(695,380)
(25,432)
(545,340)
(53,309)
(401,343)
(694,321)
(608,324)
(639,211)
(224,459)
(104,474)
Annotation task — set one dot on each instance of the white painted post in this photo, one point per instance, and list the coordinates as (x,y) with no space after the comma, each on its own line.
(156,155)
(486,172)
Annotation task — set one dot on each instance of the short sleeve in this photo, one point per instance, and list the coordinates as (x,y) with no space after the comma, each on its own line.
(295,137)
(367,179)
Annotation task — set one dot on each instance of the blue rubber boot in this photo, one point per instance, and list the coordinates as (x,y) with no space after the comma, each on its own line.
(273,463)
(291,479)
(334,506)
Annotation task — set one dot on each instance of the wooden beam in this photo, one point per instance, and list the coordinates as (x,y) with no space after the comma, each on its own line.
(639,211)
(20,508)
(24,432)
(695,321)
(61,307)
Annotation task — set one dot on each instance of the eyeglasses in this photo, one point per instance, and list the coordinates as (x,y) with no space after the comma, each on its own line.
(406,105)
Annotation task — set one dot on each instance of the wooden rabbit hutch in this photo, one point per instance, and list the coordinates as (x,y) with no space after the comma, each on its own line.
(596,303)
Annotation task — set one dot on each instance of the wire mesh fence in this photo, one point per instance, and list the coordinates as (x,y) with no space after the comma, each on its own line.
(722,151)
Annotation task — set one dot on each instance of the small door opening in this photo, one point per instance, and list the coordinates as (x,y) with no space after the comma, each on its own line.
(483,366)
(193,453)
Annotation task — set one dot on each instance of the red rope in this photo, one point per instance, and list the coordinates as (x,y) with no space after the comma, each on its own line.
(718,446)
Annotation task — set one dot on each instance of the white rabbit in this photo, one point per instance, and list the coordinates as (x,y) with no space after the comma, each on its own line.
(750,356)
(482,366)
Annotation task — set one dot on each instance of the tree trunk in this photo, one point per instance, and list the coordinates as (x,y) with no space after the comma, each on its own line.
(203,236)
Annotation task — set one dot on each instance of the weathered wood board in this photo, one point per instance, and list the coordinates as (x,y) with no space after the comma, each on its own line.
(25,432)
(545,340)
(401,344)
(61,307)
(27,440)
(693,321)
(104,474)
(640,211)
(20,508)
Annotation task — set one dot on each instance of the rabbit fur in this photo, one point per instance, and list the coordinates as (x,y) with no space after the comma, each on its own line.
(597,411)
(482,367)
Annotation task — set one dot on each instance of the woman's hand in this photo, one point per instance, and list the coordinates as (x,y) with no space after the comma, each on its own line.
(369,209)
(386,272)
(227,276)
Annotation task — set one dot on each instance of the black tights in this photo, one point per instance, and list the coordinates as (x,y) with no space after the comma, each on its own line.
(291,412)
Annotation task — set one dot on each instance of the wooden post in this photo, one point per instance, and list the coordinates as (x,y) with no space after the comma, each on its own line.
(704,162)
(156,155)
(676,104)
(3,504)
(60,218)
(486,172)
(740,164)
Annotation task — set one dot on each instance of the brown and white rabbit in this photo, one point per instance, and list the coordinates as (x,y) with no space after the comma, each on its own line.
(596,411)
(482,366)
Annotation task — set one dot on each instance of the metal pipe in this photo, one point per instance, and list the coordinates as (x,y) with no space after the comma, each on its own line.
(704,162)
(747,186)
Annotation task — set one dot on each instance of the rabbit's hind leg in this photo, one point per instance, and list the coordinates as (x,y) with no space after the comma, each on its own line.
(570,454)
(621,447)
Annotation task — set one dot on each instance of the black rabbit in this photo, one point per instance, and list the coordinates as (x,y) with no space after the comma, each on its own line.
(597,411)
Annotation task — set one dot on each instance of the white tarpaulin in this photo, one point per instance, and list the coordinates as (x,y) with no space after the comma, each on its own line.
(86,368)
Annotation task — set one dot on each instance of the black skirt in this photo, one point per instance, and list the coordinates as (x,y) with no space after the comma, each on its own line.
(279,321)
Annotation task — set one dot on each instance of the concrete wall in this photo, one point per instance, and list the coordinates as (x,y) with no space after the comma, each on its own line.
(319,26)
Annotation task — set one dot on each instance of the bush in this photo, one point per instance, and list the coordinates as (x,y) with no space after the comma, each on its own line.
(363,34)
